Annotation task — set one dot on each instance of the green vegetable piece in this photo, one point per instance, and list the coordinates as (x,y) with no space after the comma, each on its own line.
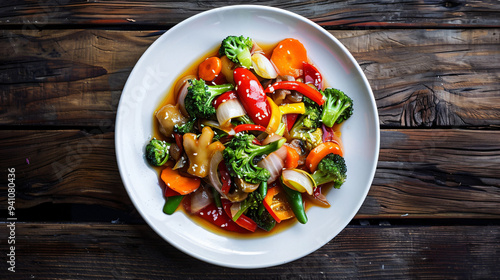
(296,203)
(239,157)
(237,49)
(264,220)
(337,108)
(187,127)
(171,204)
(157,152)
(263,189)
(198,100)
(253,201)
(331,168)
(306,128)
(216,196)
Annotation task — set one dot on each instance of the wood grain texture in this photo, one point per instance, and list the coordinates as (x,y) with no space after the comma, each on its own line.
(420,78)
(421,173)
(331,14)
(107,251)
(66,77)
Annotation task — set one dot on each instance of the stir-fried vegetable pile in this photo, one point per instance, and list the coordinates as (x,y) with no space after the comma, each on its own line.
(251,138)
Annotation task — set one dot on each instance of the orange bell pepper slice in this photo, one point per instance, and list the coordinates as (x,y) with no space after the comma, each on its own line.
(277,205)
(292,158)
(181,184)
(319,152)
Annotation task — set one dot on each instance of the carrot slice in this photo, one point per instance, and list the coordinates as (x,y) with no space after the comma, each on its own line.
(292,158)
(177,182)
(288,57)
(318,153)
(210,68)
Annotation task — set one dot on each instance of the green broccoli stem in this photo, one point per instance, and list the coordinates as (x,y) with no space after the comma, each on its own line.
(257,150)
(245,58)
(218,90)
(332,111)
(321,177)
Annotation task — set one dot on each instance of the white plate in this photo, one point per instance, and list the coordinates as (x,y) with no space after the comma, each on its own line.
(155,73)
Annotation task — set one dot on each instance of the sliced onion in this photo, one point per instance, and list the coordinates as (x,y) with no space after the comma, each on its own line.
(213,177)
(271,138)
(281,152)
(181,90)
(256,48)
(235,208)
(213,174)
(274,164)
(298,180)
(263,66)
(228,110)
(200,199)
(245,186)
(180,163)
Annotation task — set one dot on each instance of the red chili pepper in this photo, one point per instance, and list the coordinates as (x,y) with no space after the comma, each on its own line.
(225,177)
(215,215)
(306,90)
(168,192)
(312,75)
(219,80)
(246,127)
(223,98)
(243,221)
(252,96)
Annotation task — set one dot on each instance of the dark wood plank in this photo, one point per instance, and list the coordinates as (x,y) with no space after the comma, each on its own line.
(331,14)
(135,252)
(421,173)
(66,77)
(431,78)
(420,78)
(427,173)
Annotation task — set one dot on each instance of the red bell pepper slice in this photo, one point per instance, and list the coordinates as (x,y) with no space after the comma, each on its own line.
(179,142)
(306,90)
(290,120)
(215,215)
(252,96)
(225,177)
(312,75)
(223,98)
(168,192)
(247,127)
(243,221)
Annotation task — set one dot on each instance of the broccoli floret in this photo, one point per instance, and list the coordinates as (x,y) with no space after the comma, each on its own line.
(157,152)
(237,49)
(253,200)
(239,157)
(199,98)
(306,126)
(186,127)
(331,168)
(312,116)
(337,108)
(264,220)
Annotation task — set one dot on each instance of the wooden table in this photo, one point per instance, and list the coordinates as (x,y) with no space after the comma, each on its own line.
(433,210)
